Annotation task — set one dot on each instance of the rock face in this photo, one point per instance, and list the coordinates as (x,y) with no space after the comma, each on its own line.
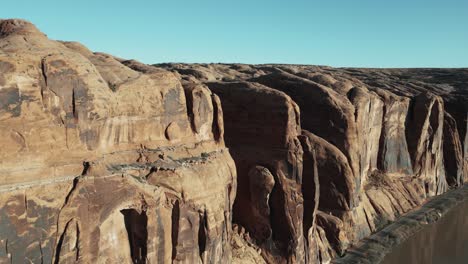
(101,163)
(374,144)
(263,132)
(105,160)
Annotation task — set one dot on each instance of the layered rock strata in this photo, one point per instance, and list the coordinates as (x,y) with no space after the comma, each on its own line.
(109,160)
(375,144)
(101,163)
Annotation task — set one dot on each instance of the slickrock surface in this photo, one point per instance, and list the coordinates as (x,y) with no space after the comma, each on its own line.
(106,160)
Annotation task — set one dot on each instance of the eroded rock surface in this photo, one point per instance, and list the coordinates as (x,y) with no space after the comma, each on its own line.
(374,144)
(101,163)
(106,160)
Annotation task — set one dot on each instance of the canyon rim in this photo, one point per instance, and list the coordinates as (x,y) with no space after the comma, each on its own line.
(108,160)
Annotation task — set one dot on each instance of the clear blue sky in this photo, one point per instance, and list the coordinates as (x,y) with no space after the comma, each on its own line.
(364,33)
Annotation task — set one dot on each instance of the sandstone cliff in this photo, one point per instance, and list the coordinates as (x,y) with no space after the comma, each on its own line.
(101,163)
(374,144)
(106,160)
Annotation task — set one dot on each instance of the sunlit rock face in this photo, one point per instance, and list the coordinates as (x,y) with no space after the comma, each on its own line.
(374,144)
(101,163)
(106,160)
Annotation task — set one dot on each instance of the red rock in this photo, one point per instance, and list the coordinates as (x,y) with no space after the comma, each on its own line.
(110,160)
(101,163)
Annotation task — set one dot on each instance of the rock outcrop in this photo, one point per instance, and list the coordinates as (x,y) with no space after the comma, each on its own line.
(101,163)
(106,160)
(374,144)
(262,132)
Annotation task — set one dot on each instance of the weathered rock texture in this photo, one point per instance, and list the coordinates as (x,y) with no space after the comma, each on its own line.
(101,163)
(105,160)
(374,144)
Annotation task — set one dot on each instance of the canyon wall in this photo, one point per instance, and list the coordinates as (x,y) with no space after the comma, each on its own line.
(106,160)
(101,163)
(374,144)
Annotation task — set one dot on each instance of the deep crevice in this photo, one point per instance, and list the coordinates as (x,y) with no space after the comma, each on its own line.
(75,114)
(189,103)
(77,243)
(411,128)
(217,114)
(136,226)
(44,70)
(202,234)
(86,166)
(175,227)
(44,76)
(381,165)
(67,198)
(26,203)
(59,244)
(308,191)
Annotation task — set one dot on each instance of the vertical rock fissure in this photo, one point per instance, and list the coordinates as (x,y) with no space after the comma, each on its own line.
(202,234)
(44,76)
(26,203)
(189,105)
(74,184)
(77,243)
(217,114)
(409,128)
(175,227)
(382,148)
(273,211)
(307,185)
(136,226)
(60,242)
(43,71)
(75,114)
(281,230)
